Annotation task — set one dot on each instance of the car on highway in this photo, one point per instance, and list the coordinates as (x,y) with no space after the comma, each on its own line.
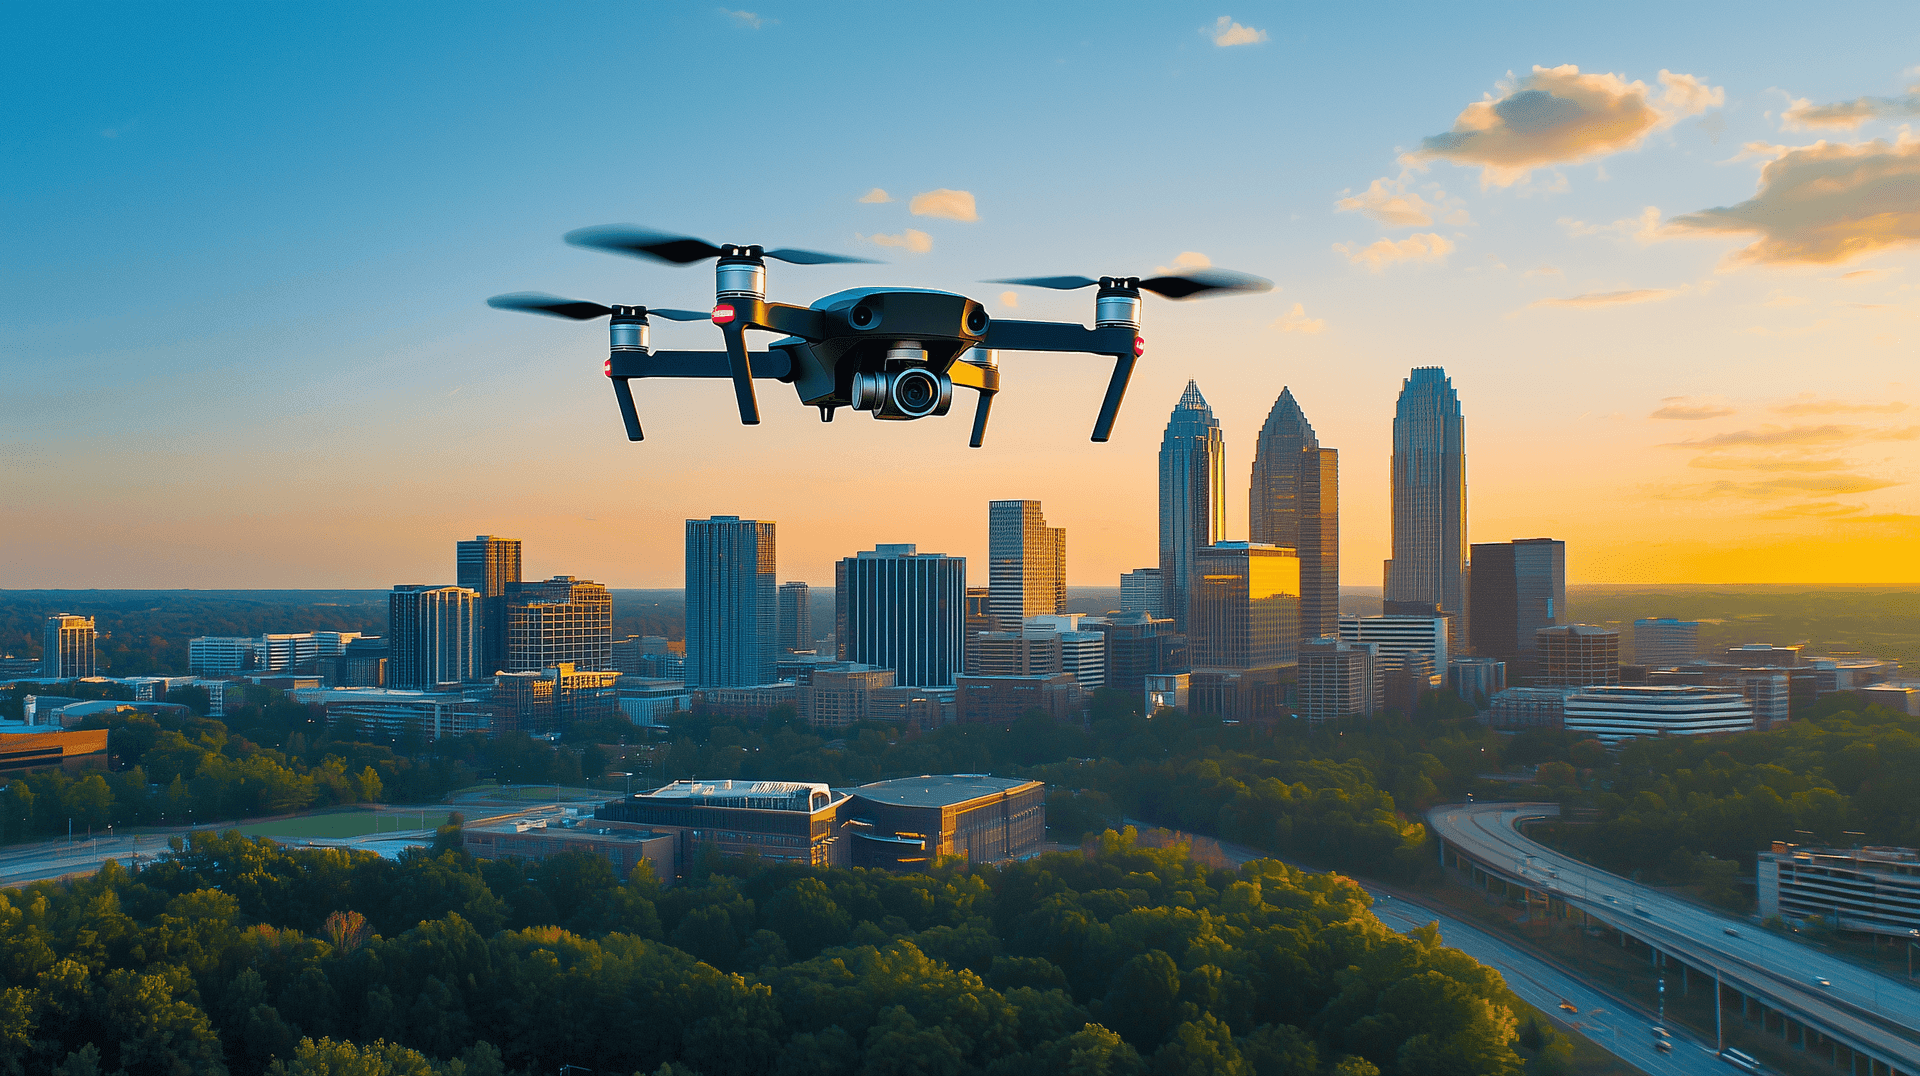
(1638,910)
(1659,1032)
(1821,980)
(1665,1046)
(1731,933)
(1569,1006)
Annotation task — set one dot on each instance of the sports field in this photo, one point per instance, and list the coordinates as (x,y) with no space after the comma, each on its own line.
(350,822)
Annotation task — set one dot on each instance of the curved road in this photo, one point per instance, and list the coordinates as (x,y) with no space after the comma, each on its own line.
(1878,1013)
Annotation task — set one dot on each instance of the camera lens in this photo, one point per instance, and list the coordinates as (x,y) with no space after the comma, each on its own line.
(976,320)
(915,392)
(861,317)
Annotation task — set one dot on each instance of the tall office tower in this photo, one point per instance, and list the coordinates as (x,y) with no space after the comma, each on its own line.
(1337,679)
(1515,589)
(489,567)
(1026,562)
(1193,496)
(1142,591)
(1577,655)
(733,614)
(67,647)
(432,637)
(1295,501)
(1663,642)
(796,617)
(897,608)
(557,620)
(1246,607)
(979,618)
(1428,571)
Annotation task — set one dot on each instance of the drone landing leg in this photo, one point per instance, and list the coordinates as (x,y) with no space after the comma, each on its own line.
(742,370)
(627,413)
(980,410)
(1116,391)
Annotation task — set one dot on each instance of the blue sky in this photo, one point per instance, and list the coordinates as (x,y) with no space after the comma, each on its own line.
(248,248)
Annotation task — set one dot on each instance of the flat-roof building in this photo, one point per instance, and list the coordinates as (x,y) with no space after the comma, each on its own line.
(1576,655)
(1870,890)
(623,845)
(1614,713)
(1002,700)
(1660,642)
(912,822)
(558,621)
(1336,680)
(45,750)
(1519,708)
(67,647)
(432,714)
(787,821)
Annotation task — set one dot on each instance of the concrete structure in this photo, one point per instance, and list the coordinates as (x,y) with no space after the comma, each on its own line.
(1576,655)
(536,836)
(1428,571)
(1621,712)
(39,749)
(1193,496)
(1143,591)
(913,822)
(432,714)
(543,701)
(559,621)
(285,652)
(1245,607)
(490,567)
(1900,698)
(1166,691)
(433,637)
(1870,890)
(1768,692)
(651,702)
(796,617)
(1002,700)
(904,610)
(1852,674)
(1241,695)
(1660,642)
(1294,501)
(839,694)
(363,663)
(1519,708)
(1137,646)
(1515,589)
(733,614)
(1026,562)
(752,701)
(219,655)
(1476,679)
(1400,639)
(1016,653)
(1083,651)
(67,649)
(1336,680)
(1750,655)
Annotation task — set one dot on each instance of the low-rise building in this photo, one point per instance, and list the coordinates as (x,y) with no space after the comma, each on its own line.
(1337,680)
(27,748)
(1519,708)
(1623,711)
(1167,691)
(432,714)
(1474,679)
(534,837)
(748,702)
(912,822)
(651,702)
(556,699)
(838,694)
(785,821)
(1870,890)
(1903,698)
(1002,700)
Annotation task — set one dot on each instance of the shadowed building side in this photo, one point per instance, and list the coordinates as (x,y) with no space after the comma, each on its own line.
(1294,501)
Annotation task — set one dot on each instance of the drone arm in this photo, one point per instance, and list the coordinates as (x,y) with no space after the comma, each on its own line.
(1120,341)
(804,322)
(1116,391)
(986,381)
(774,364)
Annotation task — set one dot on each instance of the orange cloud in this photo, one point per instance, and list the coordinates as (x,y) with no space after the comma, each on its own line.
(950,204)
(1297,321)
(1613,298)
(1849,115)
(1825,203)
(1419,247)
(1773,435)
(1681,407)
(1389,203)
(913,241)
(1809,406)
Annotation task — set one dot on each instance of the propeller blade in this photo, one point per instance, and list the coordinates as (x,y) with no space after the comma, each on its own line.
(679,315)
(643,243)
(1203,281)
(1057,283)
(814,257)
(537,302)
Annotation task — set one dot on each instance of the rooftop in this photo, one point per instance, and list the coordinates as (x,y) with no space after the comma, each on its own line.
(943,790)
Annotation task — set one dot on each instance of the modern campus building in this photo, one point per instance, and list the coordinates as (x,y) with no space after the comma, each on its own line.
(1519,708)
(219,655)
(900,609)
(1026,562)
(1294,501)
(1663,642)
(489,567)
(1193,497)
(67,648)
(1515,589)
(733,614)
(796,617)
(1576,655)
(1619,712)
(432,637)
(559,621)
(430,714)
(1143,591)
(839,694)
(1428,571)
(1870,890)
(1336,680)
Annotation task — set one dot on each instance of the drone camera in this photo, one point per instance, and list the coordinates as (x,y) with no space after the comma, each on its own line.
(976,320)
(863,317)
(903,395)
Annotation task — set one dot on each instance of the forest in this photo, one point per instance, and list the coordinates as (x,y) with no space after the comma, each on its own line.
(231,955)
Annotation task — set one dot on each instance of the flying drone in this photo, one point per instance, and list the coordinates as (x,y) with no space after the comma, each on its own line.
(897,353)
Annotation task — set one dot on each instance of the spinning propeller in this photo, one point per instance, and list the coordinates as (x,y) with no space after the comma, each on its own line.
(685,250)
(539,302)
(1188,285)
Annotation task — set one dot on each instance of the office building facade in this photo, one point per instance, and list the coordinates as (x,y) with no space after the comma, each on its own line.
(1427,574)
(1026,562)
(1083,649)
(1138,646)
(1476,679)
(219,655)
(1421,640)
(796,617)
(733,613)
(1003,700)
(1294,501)
(1871,890)
(1246,607)
(900,609)
(1515,589)
(68,650)
(1336,680)
(1664,642)
(1193,496)
(490,567)
(432,637)
(1622,711)
(1143,590)
(555,699)
(559,621)
(1576,655)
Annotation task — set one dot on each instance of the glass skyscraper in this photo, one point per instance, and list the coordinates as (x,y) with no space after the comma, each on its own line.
(900,609)
(1294,501)
(1246,607)
(733,614)
(796,616)
(68,647)
(1026,563)
(1193,496)
(489,566)
(1428,569)
(432,637)
(1517,588)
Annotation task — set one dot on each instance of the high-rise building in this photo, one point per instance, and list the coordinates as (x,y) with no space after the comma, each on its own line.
(1516,588)
(432,637)
(67,647)
(219,655)
(559,621)
(1402,640)
(900,609)
(1246,607)
(733,614)
(1577,655)
(1664,642)
(796,617)
(1428,571)
(1294,501)
(1083,649)
(1143,591)
(489,567)
(1193,496)
(1026,562)
(1337,679)
(979,618)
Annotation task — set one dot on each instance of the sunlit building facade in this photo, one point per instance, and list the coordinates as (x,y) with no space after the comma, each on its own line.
(1193,496)
(558,621)
(1245,607)
(68,647)
(432,637)
(1577,655)
(796,617)
(1294,501)
(489,567)
(1026,562)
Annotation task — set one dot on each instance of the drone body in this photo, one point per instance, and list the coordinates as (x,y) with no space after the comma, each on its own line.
(895,352)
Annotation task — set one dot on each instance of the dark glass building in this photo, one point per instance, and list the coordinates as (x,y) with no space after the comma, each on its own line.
(1246,607)
(1193,495)
(1517,588)
(733,615)
(489,567)
(796,617)
(1294,501)
(432,637)
(1427,574)
(900,609)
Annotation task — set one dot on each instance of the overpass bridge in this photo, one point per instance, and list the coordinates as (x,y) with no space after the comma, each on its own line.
(1867,1021)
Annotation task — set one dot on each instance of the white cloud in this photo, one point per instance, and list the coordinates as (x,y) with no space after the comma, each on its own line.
(1643,229)
(1849,115)
(1556,115)
(913,240)
(1227,33)
(1389,202)
(875,197)
(1418,247)
(1185,260)
(748,19)
(1613,298)
(952,205)
(1010,300)
(1824,204)
(1297,321)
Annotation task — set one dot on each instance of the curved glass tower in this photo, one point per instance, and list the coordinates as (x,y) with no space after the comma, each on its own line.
(1428,569)
(1193,495)
(1294,501)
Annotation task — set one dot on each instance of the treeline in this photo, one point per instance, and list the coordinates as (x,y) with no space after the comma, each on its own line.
(237,956)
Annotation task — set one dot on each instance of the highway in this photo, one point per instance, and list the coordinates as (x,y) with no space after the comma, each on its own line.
(1873,1011)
